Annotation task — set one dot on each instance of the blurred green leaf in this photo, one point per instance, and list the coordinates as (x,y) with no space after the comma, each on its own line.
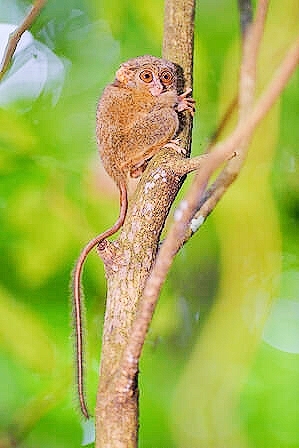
(15,135)
(25,336)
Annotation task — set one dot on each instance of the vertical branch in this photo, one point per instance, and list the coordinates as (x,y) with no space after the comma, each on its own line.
(178,45)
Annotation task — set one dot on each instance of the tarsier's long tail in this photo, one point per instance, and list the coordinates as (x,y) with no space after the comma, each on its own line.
(78,297)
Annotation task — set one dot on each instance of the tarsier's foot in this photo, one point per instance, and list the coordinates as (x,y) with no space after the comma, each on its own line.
(176,144)
(135,170)
(185,103)
(138,169)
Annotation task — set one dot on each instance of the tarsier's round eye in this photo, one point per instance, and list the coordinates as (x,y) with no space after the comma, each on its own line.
(166,77)
(146,76)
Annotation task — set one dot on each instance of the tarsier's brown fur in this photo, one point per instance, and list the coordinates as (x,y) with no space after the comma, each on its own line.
(136,116)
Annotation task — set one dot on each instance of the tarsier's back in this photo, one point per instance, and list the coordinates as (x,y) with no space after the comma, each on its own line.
(111,126)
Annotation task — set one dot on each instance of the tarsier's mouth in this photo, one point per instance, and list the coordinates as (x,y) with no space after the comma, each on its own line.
(158,90)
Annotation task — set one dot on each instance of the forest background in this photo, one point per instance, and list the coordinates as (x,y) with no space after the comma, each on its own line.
(203,377)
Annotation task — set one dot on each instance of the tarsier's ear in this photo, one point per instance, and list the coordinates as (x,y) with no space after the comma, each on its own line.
(122,74)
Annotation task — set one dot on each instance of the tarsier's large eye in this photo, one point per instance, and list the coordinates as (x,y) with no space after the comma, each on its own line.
(146,76)
(166,77)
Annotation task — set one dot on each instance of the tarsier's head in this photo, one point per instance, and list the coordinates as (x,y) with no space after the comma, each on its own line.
(148,73)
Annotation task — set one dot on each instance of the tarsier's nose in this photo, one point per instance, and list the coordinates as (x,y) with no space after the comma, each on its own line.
(156,87)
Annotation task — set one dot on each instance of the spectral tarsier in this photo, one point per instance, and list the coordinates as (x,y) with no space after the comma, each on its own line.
(136,116)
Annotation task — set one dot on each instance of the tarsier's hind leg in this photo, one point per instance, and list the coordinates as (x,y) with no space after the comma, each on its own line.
(163,125)
(139,168)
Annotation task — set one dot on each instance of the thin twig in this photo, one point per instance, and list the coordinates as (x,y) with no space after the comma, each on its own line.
(247,82)
(251,44)
(223,122)
(249,60)
(184,214)
(15,37)
(245,14)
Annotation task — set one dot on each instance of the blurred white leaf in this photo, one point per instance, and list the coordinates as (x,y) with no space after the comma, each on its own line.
(88,432)
(282,328)
(35,70)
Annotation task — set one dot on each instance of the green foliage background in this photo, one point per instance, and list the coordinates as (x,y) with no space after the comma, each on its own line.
(210,376)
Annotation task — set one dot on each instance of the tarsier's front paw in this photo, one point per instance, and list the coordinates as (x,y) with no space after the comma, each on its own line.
(186,103)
